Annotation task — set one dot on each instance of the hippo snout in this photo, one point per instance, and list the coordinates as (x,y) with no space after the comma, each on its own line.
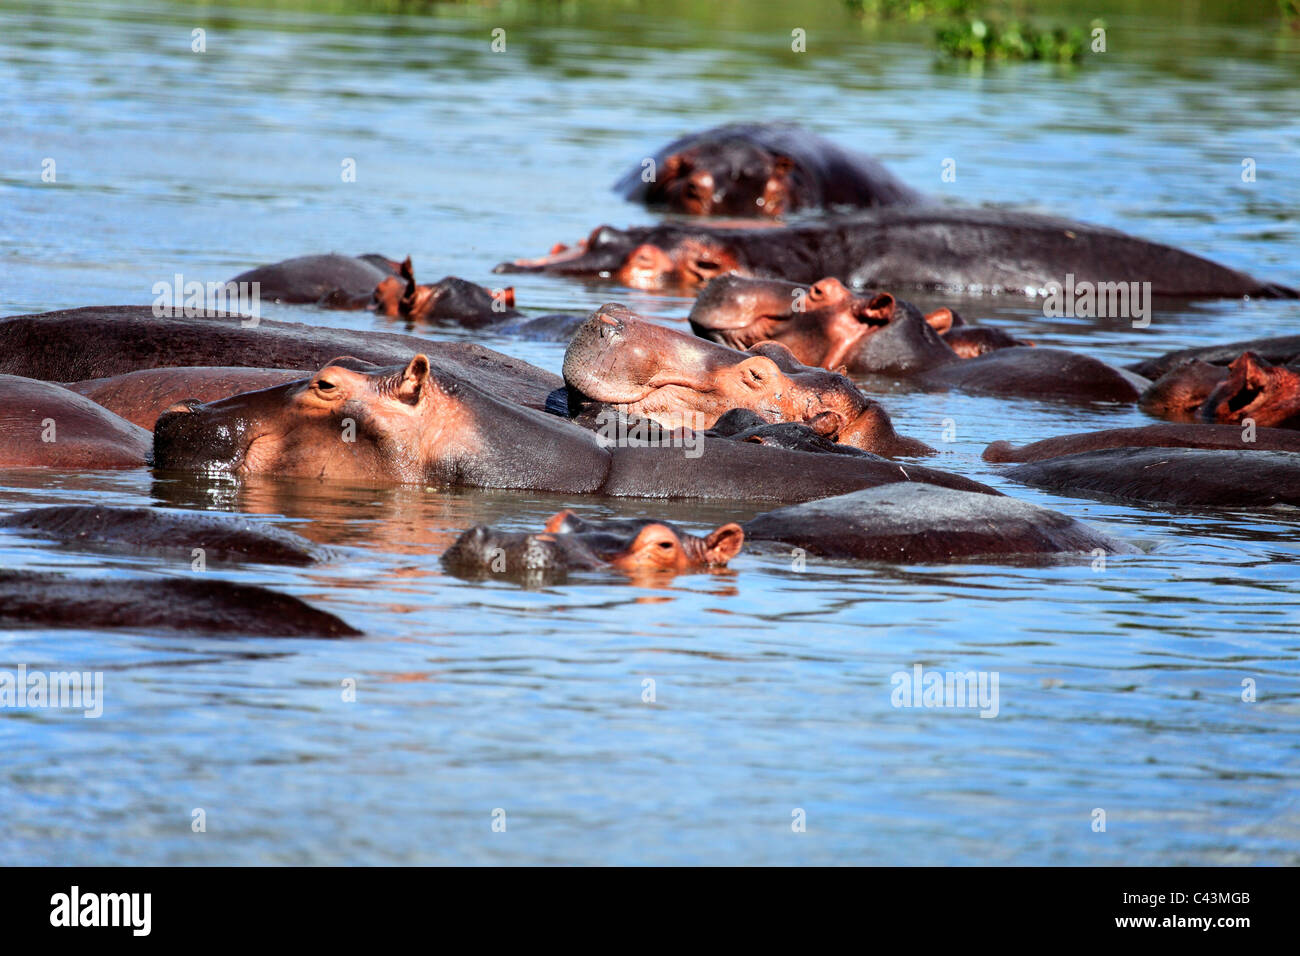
(184,438)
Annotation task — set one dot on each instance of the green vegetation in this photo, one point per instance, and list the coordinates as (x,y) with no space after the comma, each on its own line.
(977,39)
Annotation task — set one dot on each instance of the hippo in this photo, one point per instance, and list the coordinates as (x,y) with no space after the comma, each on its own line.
(645,547)
(908,523)
(1173,477)
(1148,436)
(333,281)
(761,169)
(825,324)
(140,397)
(75,345)
(456,301)
(741,424)
(619,360)
(414,424)
(48,600)
(1178,394)
(1255,390)
(221,537)
(886,336)
(974,250)
(1280,350)
(43,425)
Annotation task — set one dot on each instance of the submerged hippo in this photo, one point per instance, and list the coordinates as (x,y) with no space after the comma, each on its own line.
(46,426)
(456,301)
(909,523)
(221,537)
(197,604)
(975,250)
(741,424)
(1180,477)
(826,324)
(1148,436)
(887,336)
(636,547)
(1178,394)
(620,361)
(760,169)
(140,397)
(333,281)
(1280,350)
(415,424)
(75,345)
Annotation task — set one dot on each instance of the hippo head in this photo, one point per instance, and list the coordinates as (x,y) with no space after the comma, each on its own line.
(450,298)
(642,369)
(571,544)
(1178,395)
(351,420)
(824,324)
(643,258)
(726,177)
(1267,394)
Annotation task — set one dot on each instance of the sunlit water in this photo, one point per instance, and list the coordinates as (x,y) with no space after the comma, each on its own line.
(1120,687)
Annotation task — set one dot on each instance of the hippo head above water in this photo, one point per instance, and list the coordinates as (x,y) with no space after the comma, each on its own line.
(449,299)
(645,257)
(350,420)
(824,324)
(727,177)
(642,369)
(1255,390)
(569,543)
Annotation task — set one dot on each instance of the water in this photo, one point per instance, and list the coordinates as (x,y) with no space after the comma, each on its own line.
(1120,688)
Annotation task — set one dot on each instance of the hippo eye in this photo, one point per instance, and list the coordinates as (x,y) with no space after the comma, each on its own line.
(324,384)
(666,545)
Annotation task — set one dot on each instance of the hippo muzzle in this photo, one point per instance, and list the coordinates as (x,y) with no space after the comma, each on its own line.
(188,437)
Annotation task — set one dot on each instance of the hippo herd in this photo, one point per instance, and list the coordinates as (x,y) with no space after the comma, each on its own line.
(798,318)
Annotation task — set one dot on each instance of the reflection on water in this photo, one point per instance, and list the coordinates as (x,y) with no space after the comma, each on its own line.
(1121,687)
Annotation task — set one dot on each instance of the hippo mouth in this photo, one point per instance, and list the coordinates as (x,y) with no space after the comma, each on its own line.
(187,440)
(741,338)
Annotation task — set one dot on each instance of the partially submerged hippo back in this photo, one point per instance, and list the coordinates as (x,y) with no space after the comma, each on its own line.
(45,600)
(1038,373)
(1179,477)
(1178,394)
(220,537)
(921,523)
(142,396)
(1281,349)
(48,426)
(760,169)
(1232,437)
(334,281)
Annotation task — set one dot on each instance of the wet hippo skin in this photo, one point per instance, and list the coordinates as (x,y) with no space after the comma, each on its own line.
(221,537)
(330,280)
(47,600)
(75,345)
(1172,476)
(46,425)
(1230,437)
(140,397)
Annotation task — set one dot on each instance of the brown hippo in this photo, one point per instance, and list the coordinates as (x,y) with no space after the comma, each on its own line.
(741,424)
(637,548)
(976,250)
(1178,394)
(332,281)
(619,360)
(45,425)
(221,537)
(887,336)
(1257,391)
(1148,436)
(415,424)
(1177,477)
(910,523)
(75,345)
(140,397)
(825,324)
(198,604)
(760,169)
(1280,350)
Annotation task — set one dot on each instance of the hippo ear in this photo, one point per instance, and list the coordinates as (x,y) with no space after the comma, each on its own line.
(941,320)
(558,521)
(411,387)
(826,424)
(879,310)
(1254,367)
(724,544)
